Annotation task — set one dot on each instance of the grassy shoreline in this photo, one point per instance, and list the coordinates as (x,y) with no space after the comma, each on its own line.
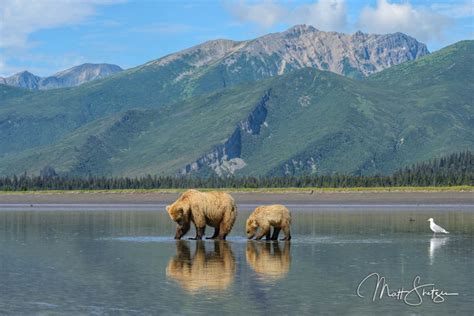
(463,188)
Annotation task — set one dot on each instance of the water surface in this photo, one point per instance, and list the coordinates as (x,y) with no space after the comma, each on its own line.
(111,260)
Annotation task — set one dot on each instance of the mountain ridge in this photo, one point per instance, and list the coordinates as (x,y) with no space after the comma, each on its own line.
(356,55)
(311,122)
(214,109)
(304,46)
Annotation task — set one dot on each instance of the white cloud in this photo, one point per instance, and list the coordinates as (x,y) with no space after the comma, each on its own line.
(20,18)
(326,15)
(420,22)
(265,14)
(455,10)
(329,15)
(426,23)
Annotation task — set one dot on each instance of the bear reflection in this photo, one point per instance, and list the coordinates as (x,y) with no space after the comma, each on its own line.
(267,259)
(211,271)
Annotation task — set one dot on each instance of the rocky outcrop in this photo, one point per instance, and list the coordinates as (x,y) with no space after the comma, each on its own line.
(224,159)
(256,119)
(67,78)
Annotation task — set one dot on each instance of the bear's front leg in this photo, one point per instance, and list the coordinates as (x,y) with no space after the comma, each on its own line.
(286,230)
(181,230)
(264,231)
(199,233)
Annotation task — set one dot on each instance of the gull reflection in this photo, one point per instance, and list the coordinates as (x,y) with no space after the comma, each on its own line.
(211,271)
(435,244)
(267,259)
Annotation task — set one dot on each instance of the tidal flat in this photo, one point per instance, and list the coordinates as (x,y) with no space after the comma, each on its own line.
(357,196)
(111,254)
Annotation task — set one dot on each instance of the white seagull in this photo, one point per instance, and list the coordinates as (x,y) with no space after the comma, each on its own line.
(436,228)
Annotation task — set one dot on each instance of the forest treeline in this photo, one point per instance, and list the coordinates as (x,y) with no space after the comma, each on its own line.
(451,170)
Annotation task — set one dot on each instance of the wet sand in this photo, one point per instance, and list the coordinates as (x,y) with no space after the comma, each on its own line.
(315,198)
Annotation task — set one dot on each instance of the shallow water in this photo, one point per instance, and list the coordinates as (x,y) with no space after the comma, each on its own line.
(123,260)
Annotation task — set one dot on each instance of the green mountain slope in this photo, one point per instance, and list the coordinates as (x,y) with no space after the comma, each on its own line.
(140,141)
(306,121)
(34,120)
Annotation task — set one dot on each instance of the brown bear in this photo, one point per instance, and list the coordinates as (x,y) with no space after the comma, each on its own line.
(266,216)
(216,209)
(212,271)
(267,259)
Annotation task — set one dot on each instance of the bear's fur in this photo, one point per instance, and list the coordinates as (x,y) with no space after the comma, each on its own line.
(266,216)
(267,259)
(212,271)
(216,209)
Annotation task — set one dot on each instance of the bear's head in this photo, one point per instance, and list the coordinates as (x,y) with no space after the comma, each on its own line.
(251,227)
(179,212)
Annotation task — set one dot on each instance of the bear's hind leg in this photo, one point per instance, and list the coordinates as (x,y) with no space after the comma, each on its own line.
(223,231)
(276,232)
(227,222)
(268,235)
(216,233)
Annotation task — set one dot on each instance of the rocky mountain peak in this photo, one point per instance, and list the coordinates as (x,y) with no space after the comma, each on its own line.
(78,75)
(67,78)
(359,35)
(92,69)
(23,79)
(356,55)
(301,28)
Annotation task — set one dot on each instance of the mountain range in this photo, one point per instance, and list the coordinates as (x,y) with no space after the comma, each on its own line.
(67,78)
(297,102)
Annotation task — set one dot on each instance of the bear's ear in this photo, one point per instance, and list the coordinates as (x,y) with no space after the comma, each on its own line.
(168,208)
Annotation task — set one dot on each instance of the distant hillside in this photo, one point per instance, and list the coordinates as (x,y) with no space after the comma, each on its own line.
(259,107)
(67,78)
(303,122)
(44,118)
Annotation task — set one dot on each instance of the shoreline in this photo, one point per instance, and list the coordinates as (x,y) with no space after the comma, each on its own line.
(307,196)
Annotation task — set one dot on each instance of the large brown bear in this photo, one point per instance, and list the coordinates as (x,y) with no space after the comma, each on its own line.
(216,209)
(266,216)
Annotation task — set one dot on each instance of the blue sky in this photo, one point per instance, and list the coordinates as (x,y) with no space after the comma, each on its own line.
(46,36)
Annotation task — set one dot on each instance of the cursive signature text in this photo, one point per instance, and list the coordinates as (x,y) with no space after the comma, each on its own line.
(412,296)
